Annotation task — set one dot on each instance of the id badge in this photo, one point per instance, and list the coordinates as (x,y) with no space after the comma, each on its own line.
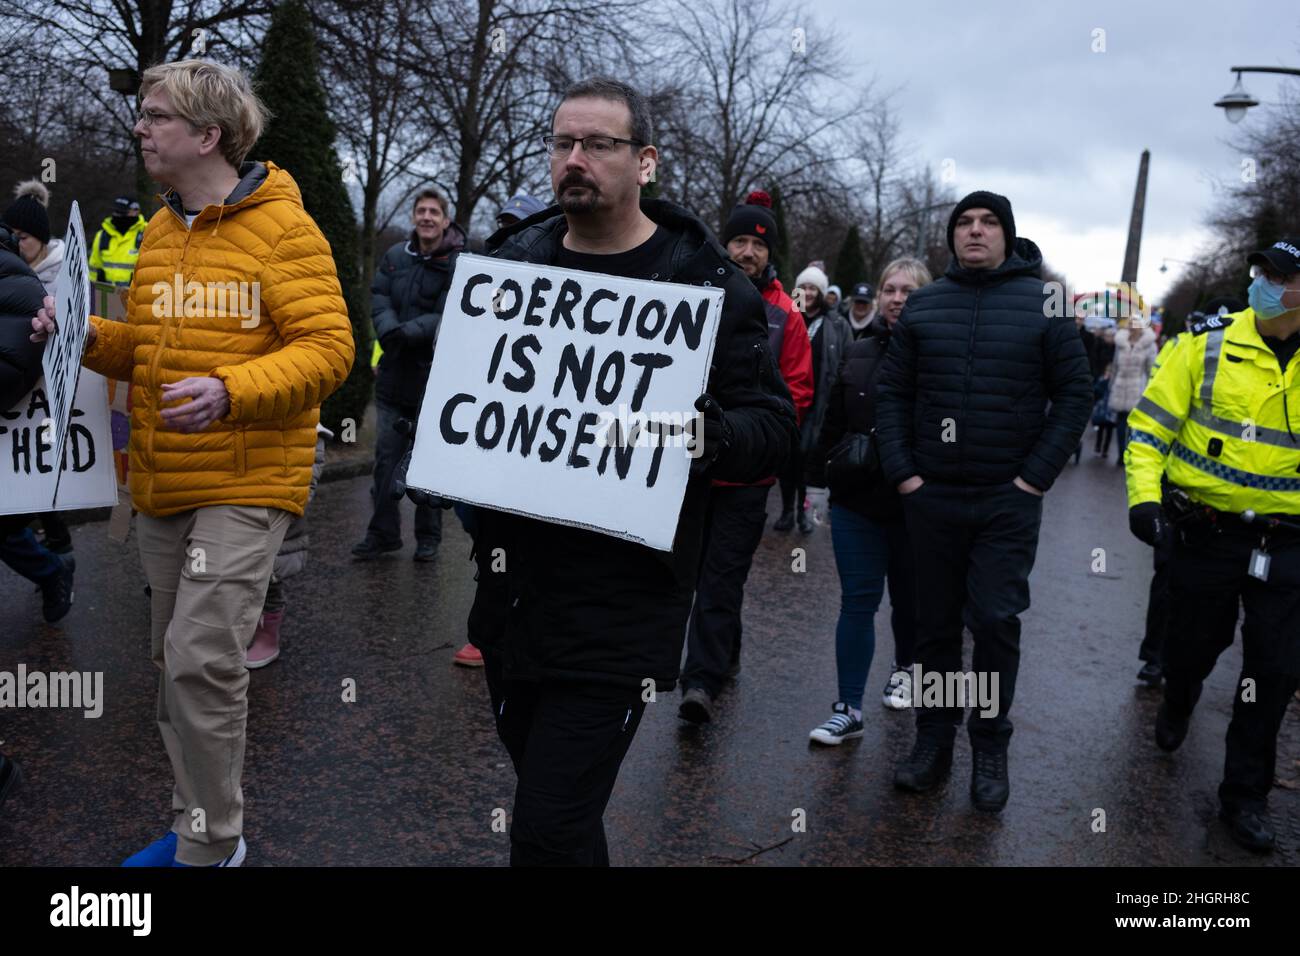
(1259,562)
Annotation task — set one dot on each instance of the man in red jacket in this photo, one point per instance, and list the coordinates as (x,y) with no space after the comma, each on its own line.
(736,514)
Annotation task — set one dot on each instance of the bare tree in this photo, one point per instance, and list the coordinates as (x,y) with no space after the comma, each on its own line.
(750,102)
(88,38)
(493,69)
(385,120)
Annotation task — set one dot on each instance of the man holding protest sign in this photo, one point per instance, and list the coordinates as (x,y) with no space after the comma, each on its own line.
(580,630)
(225,402)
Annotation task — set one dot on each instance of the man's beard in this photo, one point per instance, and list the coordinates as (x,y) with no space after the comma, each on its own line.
(580,205)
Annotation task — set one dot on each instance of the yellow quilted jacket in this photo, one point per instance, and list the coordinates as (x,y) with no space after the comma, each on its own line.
(281,342)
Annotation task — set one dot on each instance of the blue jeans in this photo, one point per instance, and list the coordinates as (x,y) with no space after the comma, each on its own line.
(866,552)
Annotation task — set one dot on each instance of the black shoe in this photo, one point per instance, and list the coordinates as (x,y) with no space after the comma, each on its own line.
(57,592)
(785,522)
(1170,729)
(806,522)
(426,551)
(369,548)
(1151,674)
(10,777)
(1249,828)
(696,706)
(928,764)
(989,787)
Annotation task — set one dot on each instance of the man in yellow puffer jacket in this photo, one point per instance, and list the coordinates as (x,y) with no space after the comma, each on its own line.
(236,331)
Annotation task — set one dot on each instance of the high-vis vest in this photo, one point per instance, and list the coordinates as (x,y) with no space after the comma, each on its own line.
(1222,421)
(114,253)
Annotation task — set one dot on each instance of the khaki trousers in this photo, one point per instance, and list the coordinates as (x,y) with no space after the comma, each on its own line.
(208,570)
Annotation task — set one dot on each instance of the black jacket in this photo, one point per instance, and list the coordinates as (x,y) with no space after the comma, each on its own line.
(851,407)
(21,297)
(974,362)
(406,308)
(575,604)
(834,340)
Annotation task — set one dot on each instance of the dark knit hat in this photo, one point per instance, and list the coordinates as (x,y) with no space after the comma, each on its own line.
(753,217)
(1000,206)
(27,212)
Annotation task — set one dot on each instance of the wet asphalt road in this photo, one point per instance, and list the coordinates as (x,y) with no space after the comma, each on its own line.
(411,773)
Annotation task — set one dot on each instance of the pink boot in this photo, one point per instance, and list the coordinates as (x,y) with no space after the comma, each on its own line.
(266,641)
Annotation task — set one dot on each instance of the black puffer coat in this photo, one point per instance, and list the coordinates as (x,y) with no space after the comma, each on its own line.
(406,309)
(974,363)
(578,605)
(21,295)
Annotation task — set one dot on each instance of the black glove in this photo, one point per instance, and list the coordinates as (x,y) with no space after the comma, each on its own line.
(715,436)
(1148,523)
(398,488)
(392,341)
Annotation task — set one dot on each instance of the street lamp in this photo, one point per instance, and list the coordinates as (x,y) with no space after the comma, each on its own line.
(1165,268)
(1236,101)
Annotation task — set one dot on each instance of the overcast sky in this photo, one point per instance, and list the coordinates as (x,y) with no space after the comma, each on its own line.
(1013,93)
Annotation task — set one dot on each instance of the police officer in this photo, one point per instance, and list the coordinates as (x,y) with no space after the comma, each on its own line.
(1215,313)
(1216,420)
(116,248)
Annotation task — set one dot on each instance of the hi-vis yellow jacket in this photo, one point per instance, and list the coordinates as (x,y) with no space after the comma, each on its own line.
(114,253)
(1216,419)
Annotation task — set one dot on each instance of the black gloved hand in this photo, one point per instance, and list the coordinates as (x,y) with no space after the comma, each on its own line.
(714,437)
(1148,523)
(398,489)
(393,340)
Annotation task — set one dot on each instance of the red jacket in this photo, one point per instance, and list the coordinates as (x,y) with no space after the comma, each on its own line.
(795,360)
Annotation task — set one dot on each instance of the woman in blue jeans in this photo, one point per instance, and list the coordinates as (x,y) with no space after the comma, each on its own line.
(867,530)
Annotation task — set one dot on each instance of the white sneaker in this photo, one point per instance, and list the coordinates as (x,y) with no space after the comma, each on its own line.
(236,858)
(898,692)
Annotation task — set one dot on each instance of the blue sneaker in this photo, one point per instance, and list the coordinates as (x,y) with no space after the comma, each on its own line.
(235,859)
(159,853)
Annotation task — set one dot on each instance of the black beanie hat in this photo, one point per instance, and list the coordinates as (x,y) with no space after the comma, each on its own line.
(27,213)
(753,217)
(1000,206)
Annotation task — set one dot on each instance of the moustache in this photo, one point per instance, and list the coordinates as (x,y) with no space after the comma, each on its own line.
(575,180)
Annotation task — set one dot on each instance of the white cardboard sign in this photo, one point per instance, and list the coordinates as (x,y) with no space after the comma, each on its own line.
(27,464)
(562,395)
(63,349)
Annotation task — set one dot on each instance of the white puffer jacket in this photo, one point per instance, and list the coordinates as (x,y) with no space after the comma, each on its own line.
(1131,369)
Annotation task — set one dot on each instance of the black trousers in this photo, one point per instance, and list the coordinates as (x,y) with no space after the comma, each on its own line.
(567,742)
(1153,641)
(733,527)
(1209,577)
(794,490)
(974,548)
(386,520)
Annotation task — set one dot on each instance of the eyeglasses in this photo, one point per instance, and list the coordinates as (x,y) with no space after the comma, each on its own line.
(599,146)
(150,117)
